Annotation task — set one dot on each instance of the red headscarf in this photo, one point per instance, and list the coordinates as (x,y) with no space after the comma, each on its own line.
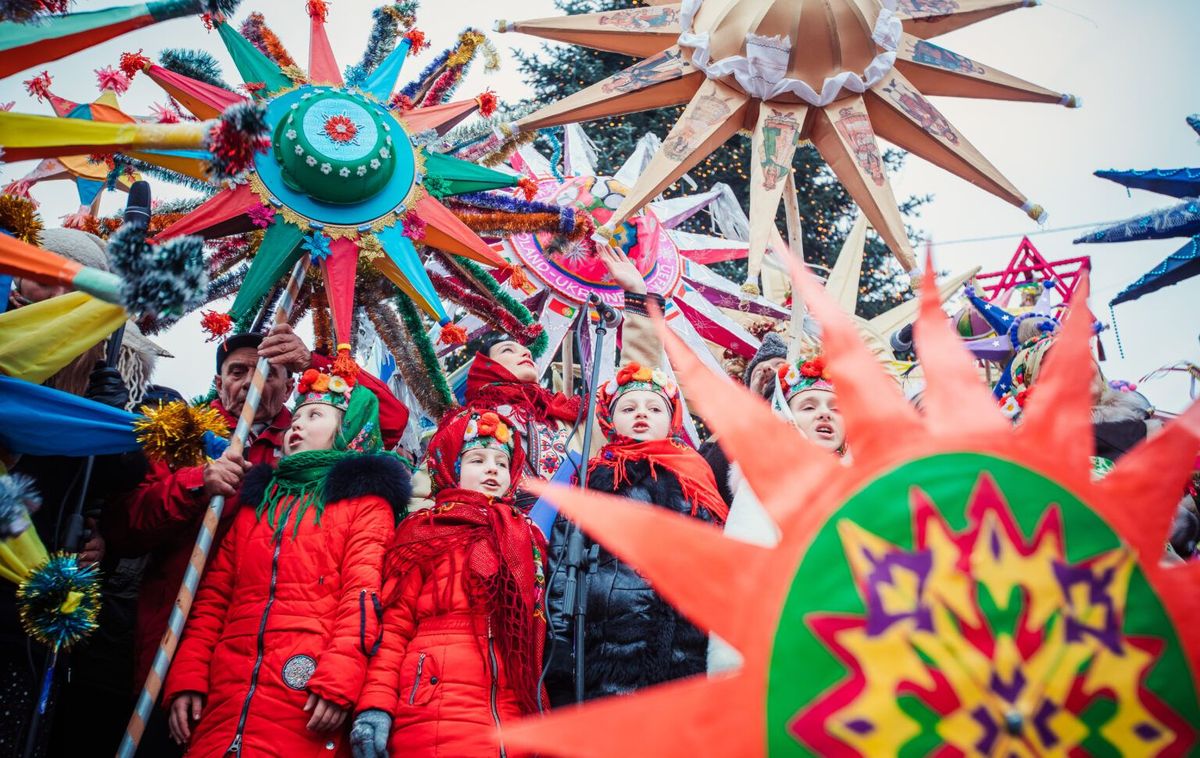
(505,564)
(490,385)
(673,453)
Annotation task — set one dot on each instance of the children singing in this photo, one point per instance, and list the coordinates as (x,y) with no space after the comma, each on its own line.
(464,583)
(275,651)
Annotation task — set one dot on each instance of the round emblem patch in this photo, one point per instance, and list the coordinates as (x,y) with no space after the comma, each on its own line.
(298,670)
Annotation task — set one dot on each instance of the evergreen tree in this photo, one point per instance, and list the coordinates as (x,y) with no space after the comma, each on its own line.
(826,209)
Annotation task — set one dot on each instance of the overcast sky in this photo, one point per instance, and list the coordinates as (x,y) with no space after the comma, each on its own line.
(1134,65)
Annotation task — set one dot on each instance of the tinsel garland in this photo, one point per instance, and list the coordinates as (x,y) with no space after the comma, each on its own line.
(444,86)
(18,498)
(24,11)
(573,224)
(501,223)
(236,138)
(169,278)
(255,29)
(556,152)
(486,309)
(411,320)
(173,433)
(19,217)
(477,129)
(411,89)
(389,19)
(229,251)
(195,64)
(224,285)
(59,601)
(408,360)
(322,323)
(166,174)
(531,333)
(501,202)
(220,8)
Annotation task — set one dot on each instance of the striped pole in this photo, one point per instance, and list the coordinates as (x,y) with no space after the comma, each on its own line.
(204,540)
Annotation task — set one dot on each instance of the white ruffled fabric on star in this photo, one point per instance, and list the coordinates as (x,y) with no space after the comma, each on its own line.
(761,71)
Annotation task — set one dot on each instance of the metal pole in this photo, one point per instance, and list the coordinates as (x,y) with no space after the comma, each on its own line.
(204,540)
(580,565)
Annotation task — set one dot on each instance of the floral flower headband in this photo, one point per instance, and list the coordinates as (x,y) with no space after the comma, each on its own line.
(795,378)
(327,388)
(487,429)
(633,376)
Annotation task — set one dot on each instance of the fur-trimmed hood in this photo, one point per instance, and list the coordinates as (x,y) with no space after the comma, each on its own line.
(1118,406)
(382,475)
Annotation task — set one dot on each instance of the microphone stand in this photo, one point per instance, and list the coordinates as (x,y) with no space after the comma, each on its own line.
(580,563)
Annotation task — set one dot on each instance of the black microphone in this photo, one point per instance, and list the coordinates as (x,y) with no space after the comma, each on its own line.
(137,207)
(608,314)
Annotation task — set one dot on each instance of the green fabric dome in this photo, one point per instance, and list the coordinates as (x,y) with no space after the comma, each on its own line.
(334,147)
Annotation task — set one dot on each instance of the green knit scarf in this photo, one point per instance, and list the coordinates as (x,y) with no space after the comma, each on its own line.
(299,481)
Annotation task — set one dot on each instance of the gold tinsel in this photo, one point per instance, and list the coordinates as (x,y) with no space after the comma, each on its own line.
(19,216)
(369,247)
(173,433)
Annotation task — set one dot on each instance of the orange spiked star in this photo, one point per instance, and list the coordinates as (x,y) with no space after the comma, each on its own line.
(954,585)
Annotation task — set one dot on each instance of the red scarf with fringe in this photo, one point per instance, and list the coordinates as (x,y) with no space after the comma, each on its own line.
(495,548)
(490,385)
(673,454)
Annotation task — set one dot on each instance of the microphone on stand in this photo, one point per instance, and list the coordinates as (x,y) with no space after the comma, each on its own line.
(607,313)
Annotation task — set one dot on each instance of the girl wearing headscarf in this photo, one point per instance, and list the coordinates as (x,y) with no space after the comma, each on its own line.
(805,396)
(464,586)
(633,638)
(275,651)
(503,376)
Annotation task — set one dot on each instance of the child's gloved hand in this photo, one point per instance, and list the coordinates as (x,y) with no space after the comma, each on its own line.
(369,737)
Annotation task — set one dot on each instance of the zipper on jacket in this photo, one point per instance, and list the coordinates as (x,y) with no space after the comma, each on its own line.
(495,681)
(412,696)
(236,745)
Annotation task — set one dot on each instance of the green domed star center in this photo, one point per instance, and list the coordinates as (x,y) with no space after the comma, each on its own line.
(335,147)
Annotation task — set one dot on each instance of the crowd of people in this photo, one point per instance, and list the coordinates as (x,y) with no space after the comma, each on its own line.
(368,600)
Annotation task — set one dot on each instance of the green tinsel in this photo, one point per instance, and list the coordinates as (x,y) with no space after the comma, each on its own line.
(416,330)
(166,175)
(194,64)
(509,303)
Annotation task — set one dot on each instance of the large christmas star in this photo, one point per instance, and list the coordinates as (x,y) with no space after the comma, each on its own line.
(952,586)
(840,73)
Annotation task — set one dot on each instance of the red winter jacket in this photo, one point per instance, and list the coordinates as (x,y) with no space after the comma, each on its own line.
(439,672)
(164,513)
(278,618)
(161,520)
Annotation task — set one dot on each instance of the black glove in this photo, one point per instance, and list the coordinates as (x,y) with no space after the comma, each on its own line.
(105,385)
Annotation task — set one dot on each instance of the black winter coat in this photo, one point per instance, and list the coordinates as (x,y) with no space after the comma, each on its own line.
(633,637)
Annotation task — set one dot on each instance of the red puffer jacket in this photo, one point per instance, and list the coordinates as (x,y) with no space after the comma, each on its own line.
(443,672)
(278,618)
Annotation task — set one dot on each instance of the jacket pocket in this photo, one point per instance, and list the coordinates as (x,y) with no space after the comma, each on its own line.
(370,623)
(421,679)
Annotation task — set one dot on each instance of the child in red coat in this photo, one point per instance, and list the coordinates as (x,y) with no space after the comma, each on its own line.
(275,650)
(464,625)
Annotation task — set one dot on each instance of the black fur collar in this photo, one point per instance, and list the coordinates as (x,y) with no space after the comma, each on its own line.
(358,476)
